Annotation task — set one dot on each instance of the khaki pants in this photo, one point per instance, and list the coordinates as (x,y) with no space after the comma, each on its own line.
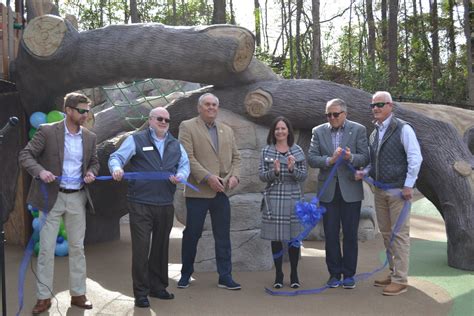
(388,207)
(72,207)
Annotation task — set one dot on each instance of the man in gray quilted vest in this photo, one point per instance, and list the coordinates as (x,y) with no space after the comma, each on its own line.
(395,161)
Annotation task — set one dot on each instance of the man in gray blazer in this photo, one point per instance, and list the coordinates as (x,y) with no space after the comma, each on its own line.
(215,168)
(342,197)
(68,150)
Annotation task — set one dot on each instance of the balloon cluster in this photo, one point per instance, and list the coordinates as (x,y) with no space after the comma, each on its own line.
(62,246)
(38,118)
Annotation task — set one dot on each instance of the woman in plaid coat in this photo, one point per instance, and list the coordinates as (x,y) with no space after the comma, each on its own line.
(283,168)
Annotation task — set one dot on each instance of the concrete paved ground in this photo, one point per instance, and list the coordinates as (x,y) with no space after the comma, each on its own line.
(435,288)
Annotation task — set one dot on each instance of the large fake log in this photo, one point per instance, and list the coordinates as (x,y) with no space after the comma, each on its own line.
(446,176)
(55,58)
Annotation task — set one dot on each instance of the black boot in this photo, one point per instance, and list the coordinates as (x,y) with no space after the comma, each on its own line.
(278,260)
(294,254)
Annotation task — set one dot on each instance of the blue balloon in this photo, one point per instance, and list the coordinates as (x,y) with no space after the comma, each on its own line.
(60,239)
(62,249)
(38,118)
(36,223)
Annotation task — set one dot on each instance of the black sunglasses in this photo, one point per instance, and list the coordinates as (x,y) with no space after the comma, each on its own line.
(334,114)
(378,104)
(81,111)
(161,119)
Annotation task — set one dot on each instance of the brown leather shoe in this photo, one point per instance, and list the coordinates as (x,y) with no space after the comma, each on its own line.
(41,306)
(81,301)
(383,282)
(394,289)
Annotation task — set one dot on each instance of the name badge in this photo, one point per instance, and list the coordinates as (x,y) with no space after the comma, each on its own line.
(148,148)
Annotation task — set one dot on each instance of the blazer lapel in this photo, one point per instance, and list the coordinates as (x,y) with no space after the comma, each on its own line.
(328,138)
(346,135)
(205,132)
(85,151)
(60,129)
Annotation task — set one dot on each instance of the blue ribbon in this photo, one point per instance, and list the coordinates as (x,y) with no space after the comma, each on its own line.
(311,213)
(30,246)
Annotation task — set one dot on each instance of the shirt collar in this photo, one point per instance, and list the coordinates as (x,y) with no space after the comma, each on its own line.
(382,126)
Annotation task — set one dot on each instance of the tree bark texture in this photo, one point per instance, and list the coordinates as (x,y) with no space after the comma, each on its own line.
(469,49)
(393,44)
(218,15)
(371,30)
(436,72)
(68,60)
(316,56)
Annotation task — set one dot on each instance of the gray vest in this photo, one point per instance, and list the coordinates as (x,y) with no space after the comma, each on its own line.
(153,192)
(389,159)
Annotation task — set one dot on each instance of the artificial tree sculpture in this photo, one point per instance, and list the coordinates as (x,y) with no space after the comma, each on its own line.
(55,59)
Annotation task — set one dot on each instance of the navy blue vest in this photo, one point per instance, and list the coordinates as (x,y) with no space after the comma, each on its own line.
(157,192)
(389,159)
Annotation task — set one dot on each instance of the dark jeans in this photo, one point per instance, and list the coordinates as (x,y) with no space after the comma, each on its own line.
(219,208)
(150,264)
(348,214)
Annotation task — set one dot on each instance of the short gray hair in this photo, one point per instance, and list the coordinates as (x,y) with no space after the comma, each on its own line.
(384,94)
(339,102)
(206,95)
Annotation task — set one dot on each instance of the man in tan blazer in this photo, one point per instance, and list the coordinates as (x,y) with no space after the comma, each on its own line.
(215,167)
(68,150)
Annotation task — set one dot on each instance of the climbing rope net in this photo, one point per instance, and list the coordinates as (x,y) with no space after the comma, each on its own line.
(133,100)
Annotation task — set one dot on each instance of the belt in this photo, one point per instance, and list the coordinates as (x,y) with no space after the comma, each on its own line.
(67,191)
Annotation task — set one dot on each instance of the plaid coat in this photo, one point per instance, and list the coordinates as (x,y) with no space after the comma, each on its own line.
(279,221)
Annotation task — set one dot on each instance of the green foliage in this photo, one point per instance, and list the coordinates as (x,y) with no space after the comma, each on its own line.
(344,59)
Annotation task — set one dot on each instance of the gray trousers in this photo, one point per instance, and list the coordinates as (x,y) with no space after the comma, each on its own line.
(150,223)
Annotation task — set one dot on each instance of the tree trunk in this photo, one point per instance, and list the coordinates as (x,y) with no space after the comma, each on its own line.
(446,178)
(371,28)
(70,60)
(469,50)
(290,41)
(232,13)
(134,12)
(316,58)
(299,58)
(393,44)
(265,27)
(257,16)
(451,32)
(218,15)
(36,8)
(384,32)
(436,72)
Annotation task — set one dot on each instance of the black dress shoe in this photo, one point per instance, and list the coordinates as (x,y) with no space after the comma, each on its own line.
(162,295)
(142,301)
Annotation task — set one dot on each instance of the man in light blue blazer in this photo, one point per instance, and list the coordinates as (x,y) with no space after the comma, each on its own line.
(342,197)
